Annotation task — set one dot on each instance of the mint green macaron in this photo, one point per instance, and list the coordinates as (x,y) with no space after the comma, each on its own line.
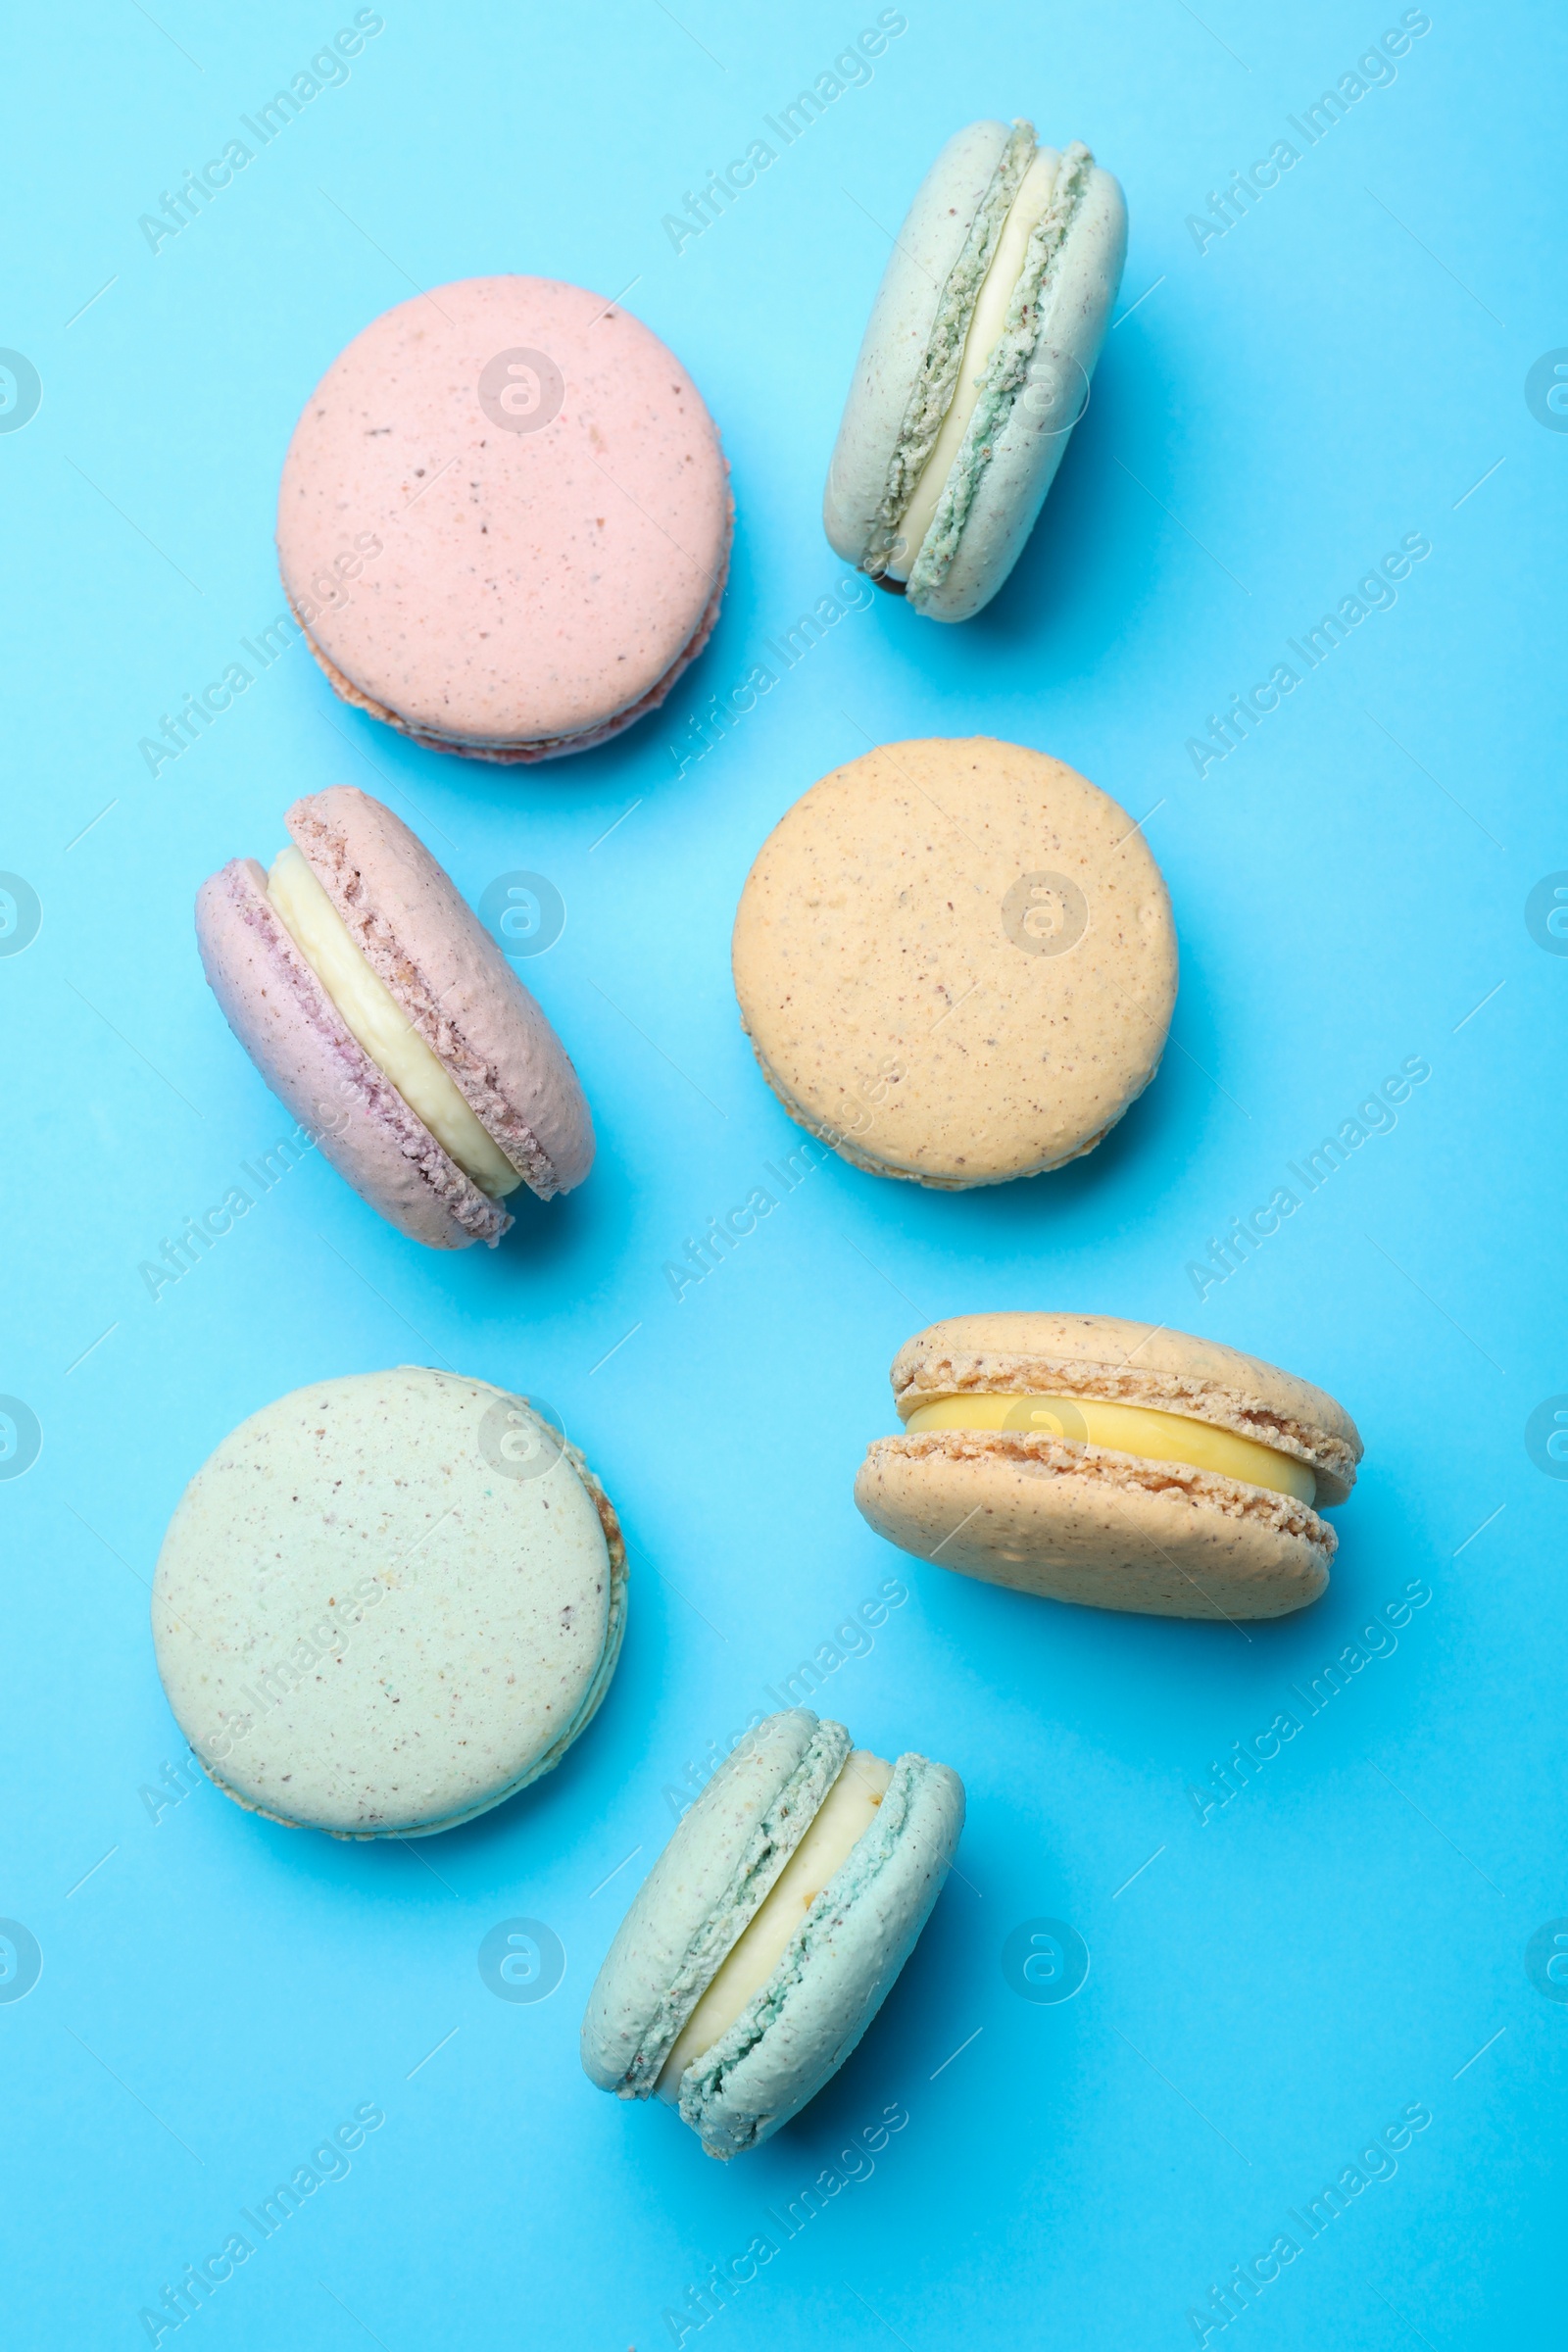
(975,366)
(771,1929)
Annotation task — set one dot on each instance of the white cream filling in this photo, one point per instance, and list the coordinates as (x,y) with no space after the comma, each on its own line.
(382,1026)
(845,1813)
(989,318)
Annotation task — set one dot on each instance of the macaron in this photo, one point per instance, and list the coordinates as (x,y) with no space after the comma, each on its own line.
(388,1020)
(505,519)
(956,961)
(769,1931)
(1123,1466)
(388,1602)
(975,366)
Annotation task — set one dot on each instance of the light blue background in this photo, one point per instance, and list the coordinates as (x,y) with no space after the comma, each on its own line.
(1341,368)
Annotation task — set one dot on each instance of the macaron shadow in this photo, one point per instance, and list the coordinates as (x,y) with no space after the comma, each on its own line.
(618,764)
(497,1847)
(1163,1678)
(541,1232)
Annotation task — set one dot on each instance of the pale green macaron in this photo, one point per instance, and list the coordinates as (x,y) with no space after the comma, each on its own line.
(387,1603)
(769,1931)
(975,366)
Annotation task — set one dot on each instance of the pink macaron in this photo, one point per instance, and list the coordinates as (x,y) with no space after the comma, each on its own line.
(384,1016)
(505,519)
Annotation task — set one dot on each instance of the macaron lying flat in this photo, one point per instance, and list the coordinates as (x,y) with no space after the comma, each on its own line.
(505,519)
(975,366)
(386,1603)
(380,1010)
(771,1929)
(1120,1464)
(956,963)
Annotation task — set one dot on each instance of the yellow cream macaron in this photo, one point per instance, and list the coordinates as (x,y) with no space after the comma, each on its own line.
(1120,1464)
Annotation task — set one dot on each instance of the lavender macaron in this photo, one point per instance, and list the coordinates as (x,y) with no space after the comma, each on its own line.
(382,1013)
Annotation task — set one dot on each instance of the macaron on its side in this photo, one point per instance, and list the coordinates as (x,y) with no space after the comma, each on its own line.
(956,961)
(384,1014)
(994,306)
(908,358)
(548,508)
(723,1860)
(840,1966)
(453,981)
(374,1617)
(1214,1515)
(304,1049)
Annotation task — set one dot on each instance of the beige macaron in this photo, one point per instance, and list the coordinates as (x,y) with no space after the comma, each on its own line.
(956,961)
(1123,1466)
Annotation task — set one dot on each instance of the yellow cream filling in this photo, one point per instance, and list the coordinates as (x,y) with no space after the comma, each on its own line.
(380,1024)
(1136,1429)
(845,1813)
(987,321)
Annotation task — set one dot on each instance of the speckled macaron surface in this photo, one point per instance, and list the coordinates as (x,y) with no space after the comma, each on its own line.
(505,519)
(387,1602)
(956,962)
(1045,1509)
(840,1964)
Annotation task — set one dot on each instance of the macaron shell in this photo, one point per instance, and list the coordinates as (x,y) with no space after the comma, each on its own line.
(1081,1523)
(706,1887)
(365,1626)
(453,981)
(533,590)
(1080,293)
(840,1966)
(317,1069)
(517,754)
(1050,1353)
(886,1001)
(899,332)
